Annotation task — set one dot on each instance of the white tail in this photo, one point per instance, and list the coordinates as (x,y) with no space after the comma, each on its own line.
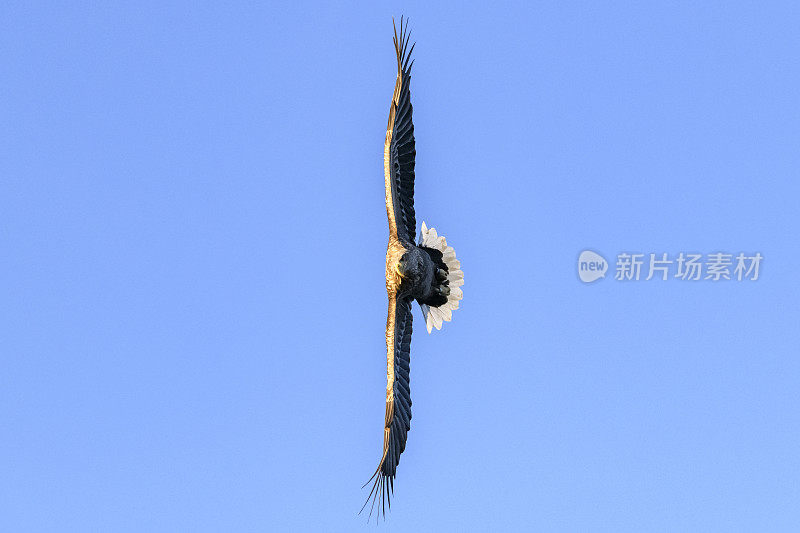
(455,277)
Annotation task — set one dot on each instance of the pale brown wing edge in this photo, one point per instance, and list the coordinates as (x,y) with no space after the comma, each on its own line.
(403,54)
(399,322)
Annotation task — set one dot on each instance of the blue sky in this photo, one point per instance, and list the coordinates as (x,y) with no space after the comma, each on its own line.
(193,235)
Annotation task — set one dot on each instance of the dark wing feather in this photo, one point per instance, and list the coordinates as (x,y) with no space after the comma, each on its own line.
(398,402)
(400,151)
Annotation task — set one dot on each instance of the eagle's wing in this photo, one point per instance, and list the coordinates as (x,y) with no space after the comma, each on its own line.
(398,400)
(399,151)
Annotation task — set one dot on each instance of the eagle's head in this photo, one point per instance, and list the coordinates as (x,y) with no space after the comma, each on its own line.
(410,267)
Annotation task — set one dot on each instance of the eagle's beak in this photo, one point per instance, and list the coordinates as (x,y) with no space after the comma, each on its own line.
(399,267)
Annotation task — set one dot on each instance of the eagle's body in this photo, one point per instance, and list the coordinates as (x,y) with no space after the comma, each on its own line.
(427,272)
(418,279)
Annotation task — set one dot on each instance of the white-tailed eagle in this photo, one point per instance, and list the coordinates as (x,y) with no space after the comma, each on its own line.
(427,272)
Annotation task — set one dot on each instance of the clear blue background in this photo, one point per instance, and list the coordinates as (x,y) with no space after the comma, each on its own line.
(192,239)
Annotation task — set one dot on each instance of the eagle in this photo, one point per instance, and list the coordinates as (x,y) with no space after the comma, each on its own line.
(427,272)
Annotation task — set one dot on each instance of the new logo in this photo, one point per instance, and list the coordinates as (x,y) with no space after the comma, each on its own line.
(591,266)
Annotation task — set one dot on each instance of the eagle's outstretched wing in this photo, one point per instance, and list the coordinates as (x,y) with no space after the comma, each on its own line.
(398,400)
(399,151)
(398,167)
